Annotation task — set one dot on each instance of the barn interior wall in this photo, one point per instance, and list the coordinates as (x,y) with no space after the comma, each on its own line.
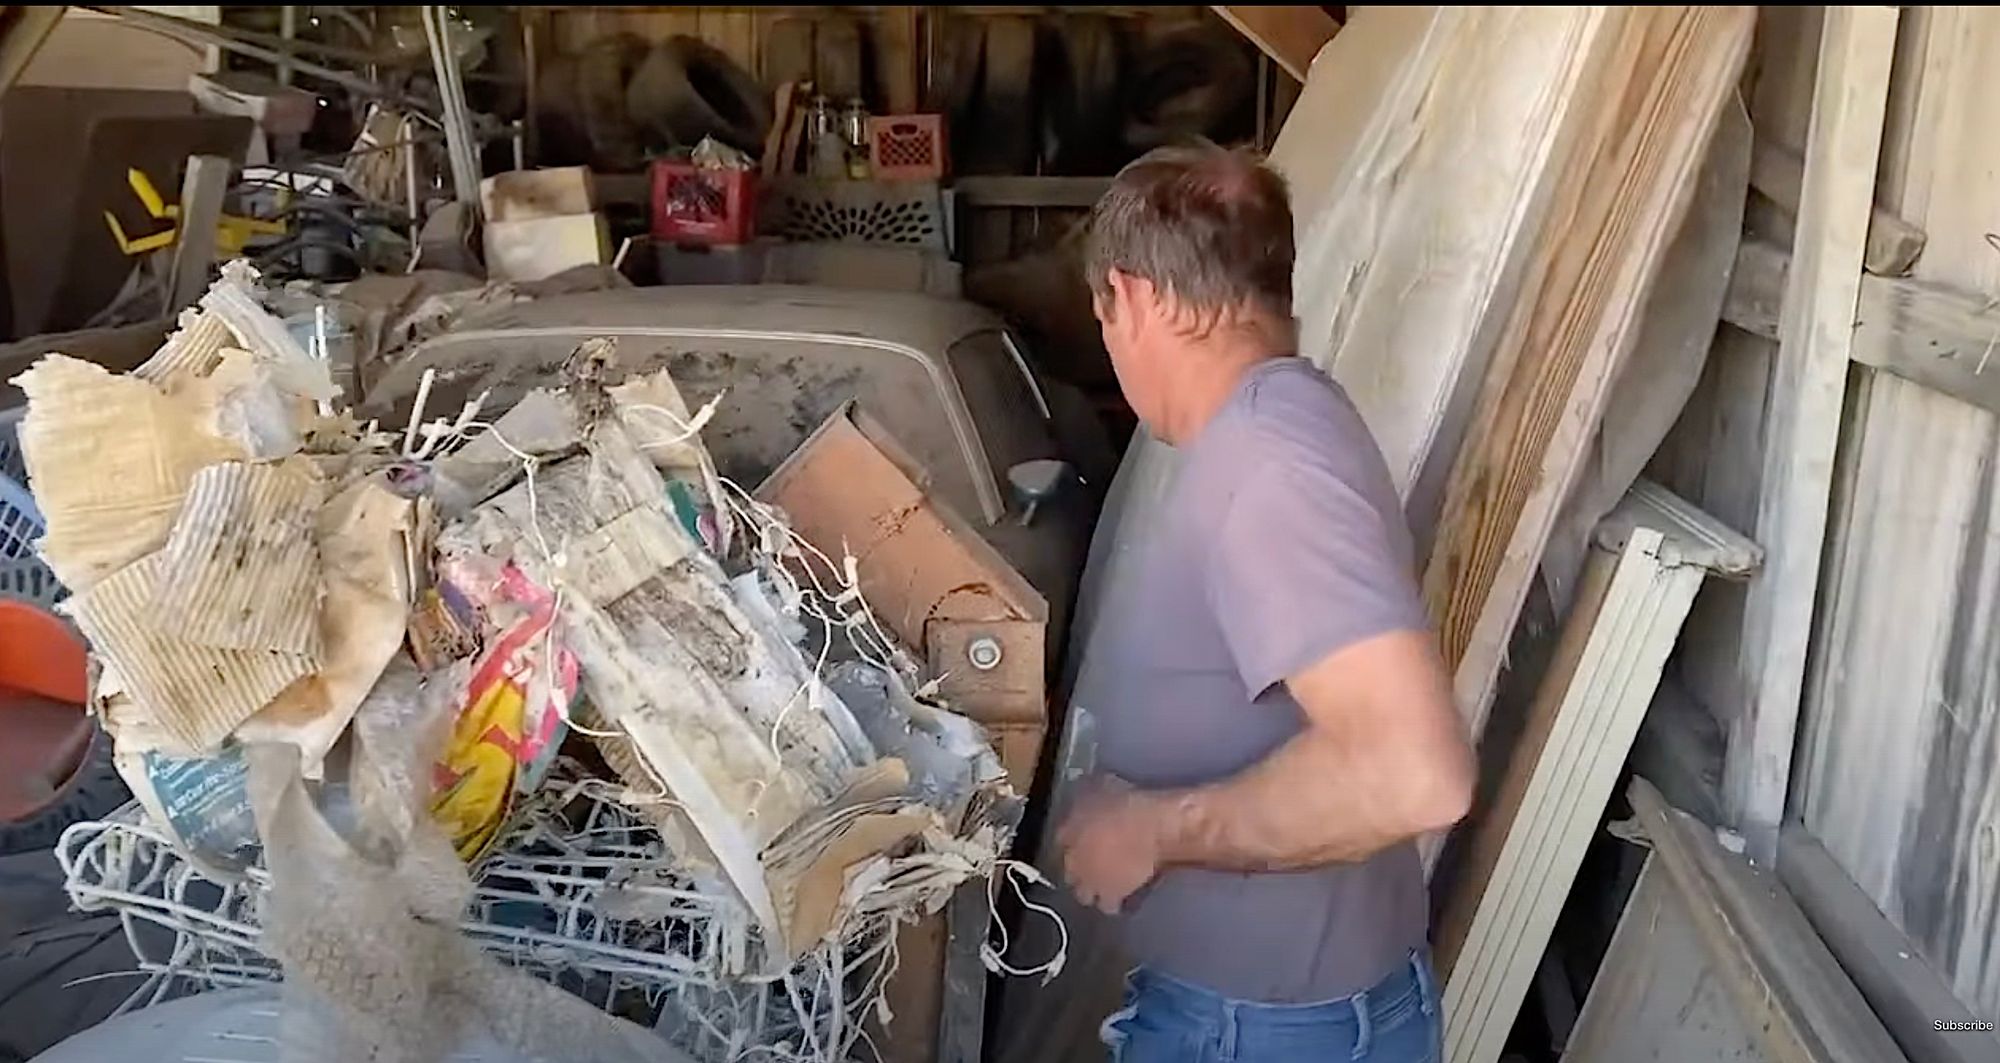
(1897,770)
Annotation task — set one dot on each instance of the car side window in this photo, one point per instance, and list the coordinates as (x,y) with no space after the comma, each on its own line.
(1006,404)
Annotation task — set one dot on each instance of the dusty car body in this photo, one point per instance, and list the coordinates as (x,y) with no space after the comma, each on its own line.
(942,375)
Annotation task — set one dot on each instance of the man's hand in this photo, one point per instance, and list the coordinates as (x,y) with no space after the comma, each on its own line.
(1110,843)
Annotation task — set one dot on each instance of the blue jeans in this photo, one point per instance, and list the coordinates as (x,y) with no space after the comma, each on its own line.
(1165,1020)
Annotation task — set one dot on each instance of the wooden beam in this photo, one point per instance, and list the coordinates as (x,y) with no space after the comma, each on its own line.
(1893,244)
(1902,987)
(1291,36)
(1943,337)
(1792,1003)
(1809,384)
(22,31)
(202,190)
(899,58)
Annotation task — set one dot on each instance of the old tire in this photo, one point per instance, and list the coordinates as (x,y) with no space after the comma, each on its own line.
(1004,117)
(1191,83)
(837,60)
(604,68)
(1084,108)
(96,790)
(687,89)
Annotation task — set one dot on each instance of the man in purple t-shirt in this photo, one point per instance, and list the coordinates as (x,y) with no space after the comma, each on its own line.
(1273,720)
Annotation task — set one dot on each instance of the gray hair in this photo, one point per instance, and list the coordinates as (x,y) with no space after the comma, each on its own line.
(1208,226)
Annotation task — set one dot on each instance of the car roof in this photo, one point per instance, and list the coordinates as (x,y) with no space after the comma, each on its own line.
(927,324)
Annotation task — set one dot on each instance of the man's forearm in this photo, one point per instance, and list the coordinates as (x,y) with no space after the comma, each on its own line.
(1311,802)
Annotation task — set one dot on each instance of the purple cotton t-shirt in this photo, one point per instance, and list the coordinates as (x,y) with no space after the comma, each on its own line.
(1281,542)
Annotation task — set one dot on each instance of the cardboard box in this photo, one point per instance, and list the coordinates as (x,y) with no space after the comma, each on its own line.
(530,195)
(543,247)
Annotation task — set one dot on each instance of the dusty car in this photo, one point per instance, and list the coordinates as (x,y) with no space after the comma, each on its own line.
(943,376)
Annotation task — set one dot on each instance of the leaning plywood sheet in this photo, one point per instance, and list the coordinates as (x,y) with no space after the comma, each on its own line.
(1713,960)
(1657,80)
(1666,362)
(1525,849)
(1440,125)
(109,458)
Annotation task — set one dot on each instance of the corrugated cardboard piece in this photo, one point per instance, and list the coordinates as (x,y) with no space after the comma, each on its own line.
(928,574)
(111,458)
(194,694)
(241,568)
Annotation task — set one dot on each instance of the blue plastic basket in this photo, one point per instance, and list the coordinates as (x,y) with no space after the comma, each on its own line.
(20,521)
(22,574)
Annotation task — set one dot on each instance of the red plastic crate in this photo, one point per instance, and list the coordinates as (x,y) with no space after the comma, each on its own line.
(907,147)
(713,208)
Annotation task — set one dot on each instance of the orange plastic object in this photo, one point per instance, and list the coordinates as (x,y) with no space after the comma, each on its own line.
(908,147)
(40,655)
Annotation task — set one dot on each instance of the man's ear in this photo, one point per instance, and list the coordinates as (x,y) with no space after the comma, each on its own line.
(1129,294)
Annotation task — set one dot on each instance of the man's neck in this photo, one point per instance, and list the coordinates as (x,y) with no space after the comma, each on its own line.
(1213,367)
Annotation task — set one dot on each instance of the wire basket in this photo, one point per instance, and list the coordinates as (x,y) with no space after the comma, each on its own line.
(585,898)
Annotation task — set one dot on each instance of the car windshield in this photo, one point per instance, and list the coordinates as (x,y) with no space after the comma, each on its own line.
(778,390)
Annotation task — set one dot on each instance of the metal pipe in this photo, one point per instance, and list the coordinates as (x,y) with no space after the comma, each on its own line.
(288,29)
(531,92)
(457,128)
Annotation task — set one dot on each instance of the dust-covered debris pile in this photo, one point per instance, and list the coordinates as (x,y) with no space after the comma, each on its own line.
(413,715)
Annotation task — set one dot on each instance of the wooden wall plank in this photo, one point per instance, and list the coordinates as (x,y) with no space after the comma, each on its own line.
(1901,759)
(1904,990)
(1938,335)
(1856,46)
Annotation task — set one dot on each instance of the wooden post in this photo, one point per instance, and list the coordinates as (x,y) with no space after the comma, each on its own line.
(1809,386)
(899,59)
(202,189)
